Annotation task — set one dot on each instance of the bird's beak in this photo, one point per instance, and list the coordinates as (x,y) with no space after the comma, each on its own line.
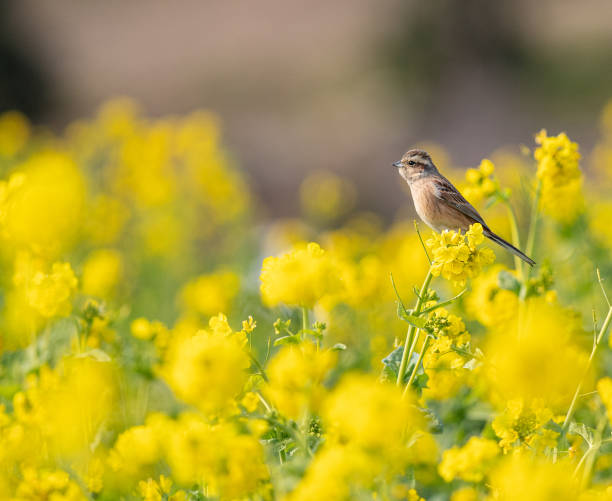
(397,164)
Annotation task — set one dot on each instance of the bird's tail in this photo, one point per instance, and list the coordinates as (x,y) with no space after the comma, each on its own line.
(509,246)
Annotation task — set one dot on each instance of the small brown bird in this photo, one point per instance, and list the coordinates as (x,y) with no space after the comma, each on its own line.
(439,204)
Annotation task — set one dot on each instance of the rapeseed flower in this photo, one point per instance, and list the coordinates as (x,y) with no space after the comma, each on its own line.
(523,477)
(521,425)
(230,464)
(457,257)
(301,277)
(560,176)
(297,375)
(471,463)
(42,203)
(385,423)
(208,369)
(480,182)
(488,302)
(542,363)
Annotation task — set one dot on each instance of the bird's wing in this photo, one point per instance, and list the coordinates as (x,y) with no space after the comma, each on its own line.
(448,194)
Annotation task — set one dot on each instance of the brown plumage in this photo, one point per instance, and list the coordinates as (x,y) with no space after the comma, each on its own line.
(439,204)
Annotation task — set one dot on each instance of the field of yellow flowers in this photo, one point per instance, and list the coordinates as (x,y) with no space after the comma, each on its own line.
(161,341)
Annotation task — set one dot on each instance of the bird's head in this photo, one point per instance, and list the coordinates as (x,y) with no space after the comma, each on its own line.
(414,165)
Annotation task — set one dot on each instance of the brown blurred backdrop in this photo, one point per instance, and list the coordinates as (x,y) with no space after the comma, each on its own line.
(346,85)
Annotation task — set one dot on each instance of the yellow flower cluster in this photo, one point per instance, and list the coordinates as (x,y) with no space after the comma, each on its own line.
(488,302)
(522,425)
(470,462)
(560,176)
(480,182)
(207,369)
(229,463)
(543,363)
(457,257)
(444,362)
(364,445)
(296,375)
(301,277)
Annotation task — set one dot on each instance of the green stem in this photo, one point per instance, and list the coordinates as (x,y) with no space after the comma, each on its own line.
(535,212)
(600,336)
(518,264)
(418,363)
(531,236)
(410,343)
(591,454)
(304,321)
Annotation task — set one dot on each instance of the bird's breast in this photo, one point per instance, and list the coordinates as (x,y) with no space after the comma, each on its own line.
(425,203)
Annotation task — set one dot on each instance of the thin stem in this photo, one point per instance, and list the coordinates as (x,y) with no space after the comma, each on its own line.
(410,334)
(518,264)
(259,367)
(535,212)
(304,321)
(416,227)
(531,236)
(443,303)
(418,363)
(600,336)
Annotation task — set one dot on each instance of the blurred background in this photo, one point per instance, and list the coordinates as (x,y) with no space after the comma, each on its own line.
(345,86)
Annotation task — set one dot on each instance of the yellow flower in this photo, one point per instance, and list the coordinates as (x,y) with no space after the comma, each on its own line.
(102,272)
(150,490)
(50,294)
(560,175)
(538,360)
(208,369)
(229,463)
(480,183)
(248,325)
(465,494)
(42,204)
(443,365)
(136,449)
(296,376)
(488,302)
(471,462)
(47,484)
(299,278)
(521,424)
(522,477)
(335,473)
(456,256)
(385,422)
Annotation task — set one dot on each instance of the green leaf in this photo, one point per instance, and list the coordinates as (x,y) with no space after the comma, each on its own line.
(293,339)
(433,421)
(338,347)
(508,282)
(417,322)
(392,362)
(96,354)
(582,430)
(420,381)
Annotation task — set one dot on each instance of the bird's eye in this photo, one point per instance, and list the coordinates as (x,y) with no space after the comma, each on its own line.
(412,162)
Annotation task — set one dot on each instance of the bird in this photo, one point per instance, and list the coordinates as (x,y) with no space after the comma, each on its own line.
(439,204)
